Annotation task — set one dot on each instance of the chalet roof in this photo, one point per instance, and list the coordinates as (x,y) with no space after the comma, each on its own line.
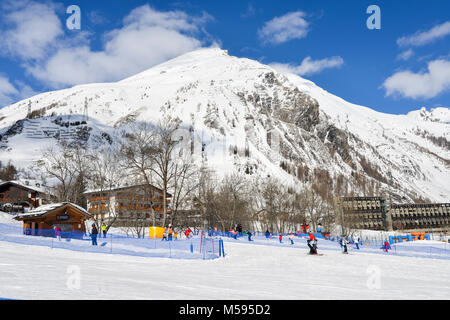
(125,188)
(23,185)
(45,209)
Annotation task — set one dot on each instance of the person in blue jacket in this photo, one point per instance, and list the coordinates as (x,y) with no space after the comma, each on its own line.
(94,234)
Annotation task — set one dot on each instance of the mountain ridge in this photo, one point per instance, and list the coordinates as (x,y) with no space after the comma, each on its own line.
(237,106)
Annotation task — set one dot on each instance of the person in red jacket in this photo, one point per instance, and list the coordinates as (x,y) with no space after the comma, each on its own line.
(312,243)
(58,233)
(280,237)
(187,232)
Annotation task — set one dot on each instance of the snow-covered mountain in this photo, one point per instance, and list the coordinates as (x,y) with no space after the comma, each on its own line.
(246,116)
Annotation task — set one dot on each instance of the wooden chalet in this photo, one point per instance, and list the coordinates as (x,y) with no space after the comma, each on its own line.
(129,203)
(42,220)
(16,196)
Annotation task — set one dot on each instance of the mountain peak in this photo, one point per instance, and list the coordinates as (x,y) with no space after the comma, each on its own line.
(439,114)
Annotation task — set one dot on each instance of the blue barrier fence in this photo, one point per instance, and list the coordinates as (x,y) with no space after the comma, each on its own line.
(435,250)
(209,247)
(193,248)
(228,234)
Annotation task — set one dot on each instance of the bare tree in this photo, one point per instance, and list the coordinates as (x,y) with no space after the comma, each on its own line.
(185,183)
(315,207)
(107,174)
(137,156)
(163,146)
(69,165)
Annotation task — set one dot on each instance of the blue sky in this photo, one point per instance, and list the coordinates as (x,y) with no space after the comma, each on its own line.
(401,67)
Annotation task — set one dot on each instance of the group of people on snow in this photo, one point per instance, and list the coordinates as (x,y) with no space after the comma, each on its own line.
(169,234)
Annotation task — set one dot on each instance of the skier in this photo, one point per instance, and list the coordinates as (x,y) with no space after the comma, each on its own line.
(280,237)
(164,235)
(291,237)
(94,234)
(58,233)
(239,229)
(170,232)
(267,234)
(386,246)
(104,230)
(312,243)
(357,241)
(187,232)
(344,245)
(249,235)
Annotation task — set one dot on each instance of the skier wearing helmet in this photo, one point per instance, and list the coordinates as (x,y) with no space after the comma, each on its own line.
(312,243)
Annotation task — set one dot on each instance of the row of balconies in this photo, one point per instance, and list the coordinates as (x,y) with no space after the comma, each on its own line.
(369,225)
(436,221)
(421,211)
(362,205)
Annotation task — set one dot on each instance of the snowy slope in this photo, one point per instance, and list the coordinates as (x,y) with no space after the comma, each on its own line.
(248,272)
(231,106)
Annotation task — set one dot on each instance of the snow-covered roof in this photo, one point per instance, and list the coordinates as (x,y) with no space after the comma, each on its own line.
(42,210)
(24,185)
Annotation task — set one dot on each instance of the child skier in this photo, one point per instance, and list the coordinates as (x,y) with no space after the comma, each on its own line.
(291,237)
(386,246)
(280,237)
(344,245)
(312,243)
(187,232)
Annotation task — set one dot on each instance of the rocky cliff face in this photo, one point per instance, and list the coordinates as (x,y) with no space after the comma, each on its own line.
(249,118)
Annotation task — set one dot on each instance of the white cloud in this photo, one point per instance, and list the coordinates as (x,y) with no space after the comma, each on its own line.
(405,55)
(282,29)
(425,37)
(424,85)
(10,93)
(33,28)
(147,37)
(7,91)
(309,66)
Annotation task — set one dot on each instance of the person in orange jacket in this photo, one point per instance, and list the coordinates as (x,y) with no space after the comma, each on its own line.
(312,243)
(170,233)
